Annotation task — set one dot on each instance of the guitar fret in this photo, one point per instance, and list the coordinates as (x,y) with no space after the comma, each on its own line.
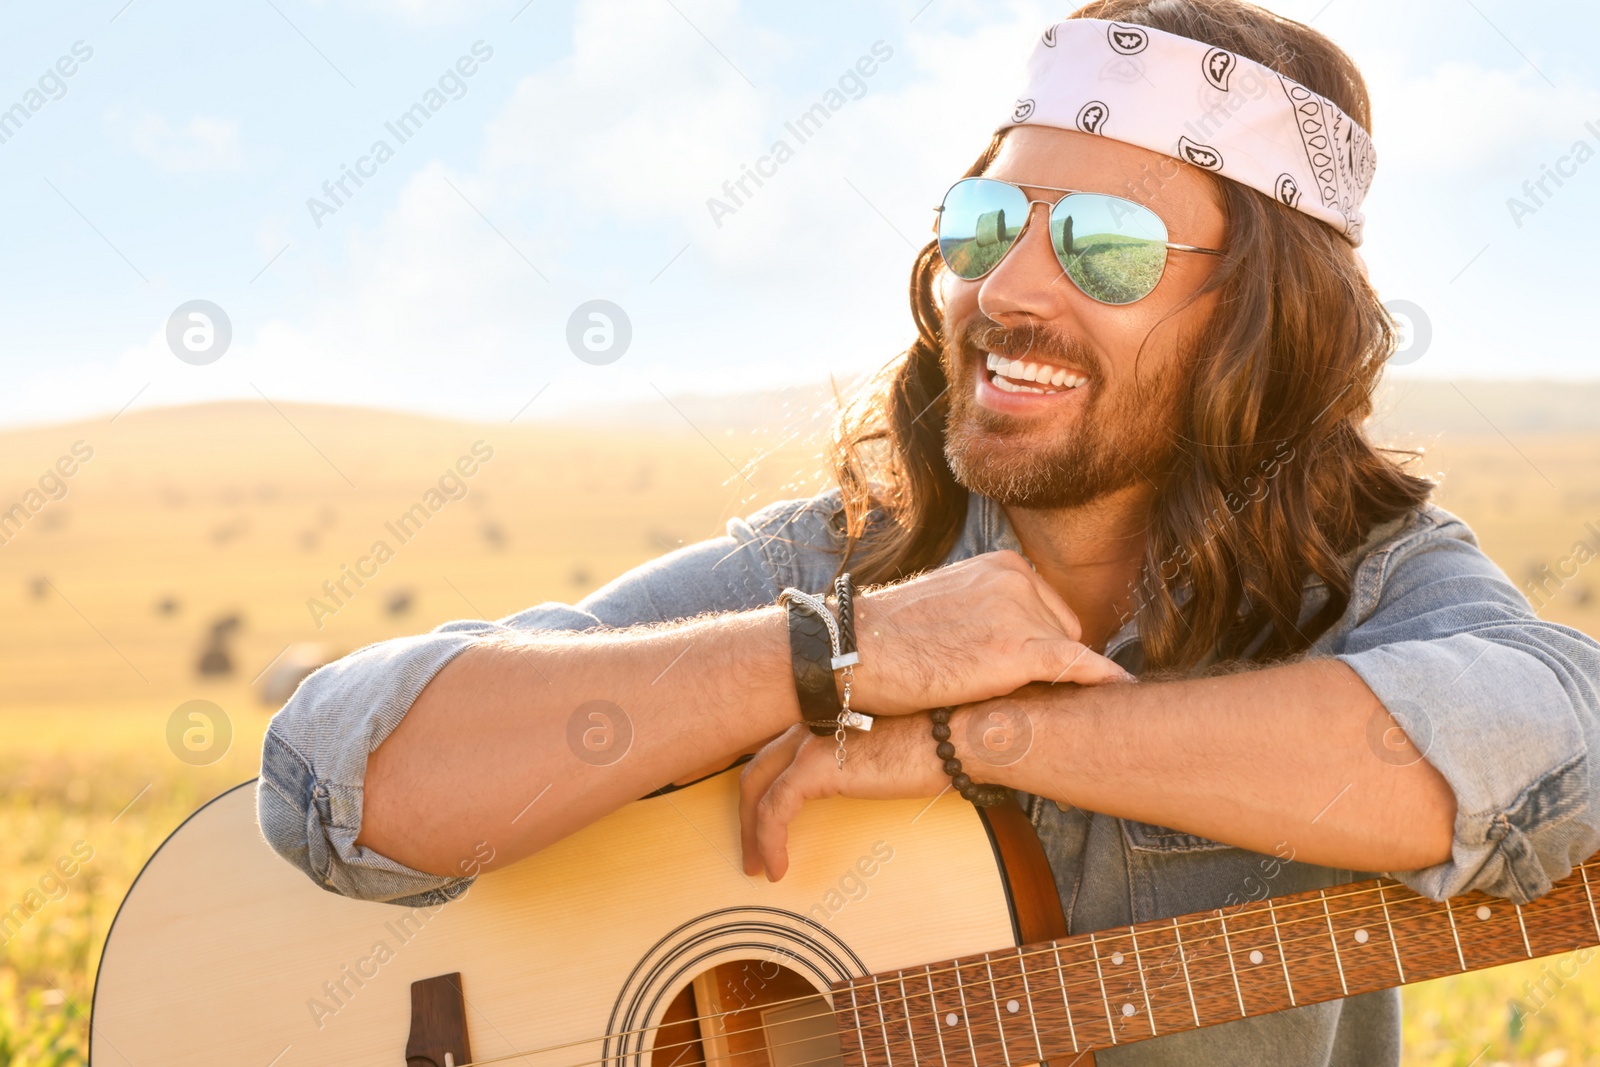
(877,995)
(860,1034)
(1394,945)
(938,1023)
(1283,960)
(1227,944)
(1138,965)
(1556,921)
(994,996)
(1183,958)
(1072,1030)
(966,1017)
(1111,1022)
(1584,871)
(1455,936)
(1027,994)
(1333,939)
(905,1008)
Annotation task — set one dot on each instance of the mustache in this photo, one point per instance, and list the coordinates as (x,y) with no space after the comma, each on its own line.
(1020,342)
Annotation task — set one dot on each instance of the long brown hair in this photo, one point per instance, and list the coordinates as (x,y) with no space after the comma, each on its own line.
(1283,384)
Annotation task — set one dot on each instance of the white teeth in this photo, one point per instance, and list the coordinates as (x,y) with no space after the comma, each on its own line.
(1017,370)
(1005,386)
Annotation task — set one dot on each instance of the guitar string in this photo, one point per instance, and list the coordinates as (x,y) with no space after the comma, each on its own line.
(1247,910)
(1060,971)
(1222,994)
(1109,937)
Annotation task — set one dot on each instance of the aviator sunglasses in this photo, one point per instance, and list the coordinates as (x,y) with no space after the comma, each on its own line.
(1112,248)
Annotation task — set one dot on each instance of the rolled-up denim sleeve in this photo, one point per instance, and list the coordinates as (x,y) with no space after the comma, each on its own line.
(1505,705)
(314,757)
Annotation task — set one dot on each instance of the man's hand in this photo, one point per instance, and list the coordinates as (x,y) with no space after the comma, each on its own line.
(976,629)
(894,761)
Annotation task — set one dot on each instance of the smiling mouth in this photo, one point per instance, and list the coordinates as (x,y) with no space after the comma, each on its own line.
(1025,376)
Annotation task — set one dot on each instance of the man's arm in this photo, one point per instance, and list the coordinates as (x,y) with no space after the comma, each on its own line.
(504,719)
(1254,759)
(1447,740)
(402,770)
(496,749)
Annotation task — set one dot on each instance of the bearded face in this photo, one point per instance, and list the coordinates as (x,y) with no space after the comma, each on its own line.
(1057,399)
(1073,433)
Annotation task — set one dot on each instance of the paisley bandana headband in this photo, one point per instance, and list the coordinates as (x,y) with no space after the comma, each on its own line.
(1206,106)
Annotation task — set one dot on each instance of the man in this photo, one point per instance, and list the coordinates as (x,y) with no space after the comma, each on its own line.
(1127,441)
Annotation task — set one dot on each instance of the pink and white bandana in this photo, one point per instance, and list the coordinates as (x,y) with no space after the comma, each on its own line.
(1206,106)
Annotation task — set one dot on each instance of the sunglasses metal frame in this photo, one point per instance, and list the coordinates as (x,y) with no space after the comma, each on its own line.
(1051,204)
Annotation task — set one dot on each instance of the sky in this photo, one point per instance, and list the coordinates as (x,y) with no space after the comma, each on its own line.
(570,153)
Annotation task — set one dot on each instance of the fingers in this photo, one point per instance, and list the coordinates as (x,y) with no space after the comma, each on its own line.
(1057,607)
(800,781)
(1069,661)
(754,781)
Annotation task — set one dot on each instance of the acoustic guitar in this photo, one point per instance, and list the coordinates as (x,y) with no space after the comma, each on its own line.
(906,934)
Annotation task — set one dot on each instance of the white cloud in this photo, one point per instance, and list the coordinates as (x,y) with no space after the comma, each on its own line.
(597,169)
(1462,116)
(202,144)
(425,12)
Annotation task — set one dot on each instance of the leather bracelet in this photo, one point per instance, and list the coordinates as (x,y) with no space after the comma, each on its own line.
(844,593)
(811,654)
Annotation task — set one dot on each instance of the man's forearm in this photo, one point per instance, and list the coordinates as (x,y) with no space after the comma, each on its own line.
(1282,754)
(500,748)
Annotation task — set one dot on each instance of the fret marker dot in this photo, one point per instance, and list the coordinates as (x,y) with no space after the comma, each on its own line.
(1483,911)
(1116,957)
(951,1020)
(1256,956)
(1127,1009)
(1361,937)
(1013,1007)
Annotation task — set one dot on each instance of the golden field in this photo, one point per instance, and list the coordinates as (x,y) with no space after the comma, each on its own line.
(185,517)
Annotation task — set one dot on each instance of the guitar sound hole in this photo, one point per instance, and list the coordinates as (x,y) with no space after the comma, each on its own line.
(748,1013)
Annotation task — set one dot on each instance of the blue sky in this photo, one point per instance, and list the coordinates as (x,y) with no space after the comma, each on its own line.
(575,161)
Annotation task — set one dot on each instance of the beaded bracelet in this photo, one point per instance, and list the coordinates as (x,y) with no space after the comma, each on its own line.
(984,796)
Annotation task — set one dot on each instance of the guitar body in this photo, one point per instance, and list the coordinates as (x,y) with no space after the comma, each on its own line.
(607,946)
(638,942)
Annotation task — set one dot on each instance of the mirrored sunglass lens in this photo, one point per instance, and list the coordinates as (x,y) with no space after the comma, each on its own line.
(980,221)
(1114,249)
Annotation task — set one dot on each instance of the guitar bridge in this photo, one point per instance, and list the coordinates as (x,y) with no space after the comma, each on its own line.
(438,1023)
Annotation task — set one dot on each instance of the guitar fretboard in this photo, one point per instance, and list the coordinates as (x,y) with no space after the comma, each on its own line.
(1112,987)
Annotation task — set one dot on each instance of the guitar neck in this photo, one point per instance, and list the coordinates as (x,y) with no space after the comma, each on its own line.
(1112,987)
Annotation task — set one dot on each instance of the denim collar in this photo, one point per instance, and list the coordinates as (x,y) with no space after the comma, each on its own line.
(988,529)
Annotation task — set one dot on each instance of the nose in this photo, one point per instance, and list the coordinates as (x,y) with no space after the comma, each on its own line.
(1028,280)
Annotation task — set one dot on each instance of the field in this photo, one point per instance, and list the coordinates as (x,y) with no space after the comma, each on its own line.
(203,537)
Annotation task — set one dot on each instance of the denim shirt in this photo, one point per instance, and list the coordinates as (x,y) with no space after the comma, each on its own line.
(1504,705)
